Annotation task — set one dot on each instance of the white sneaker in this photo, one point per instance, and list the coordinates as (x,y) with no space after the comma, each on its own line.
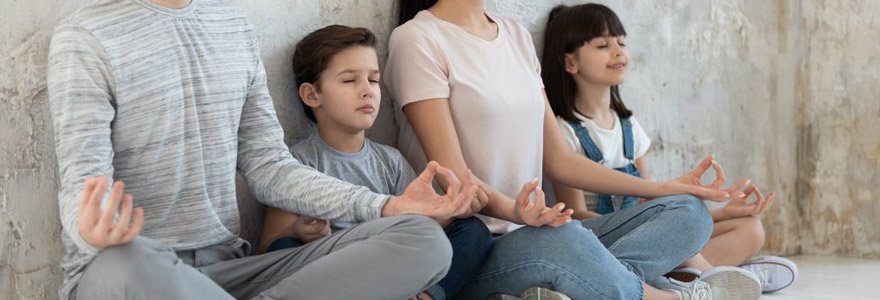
(532,293)
(539,293)
(502,297)
(694,290)
(775,273)
(732,283)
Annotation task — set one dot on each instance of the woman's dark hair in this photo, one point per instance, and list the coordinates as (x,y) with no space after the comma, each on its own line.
(409,9)
(569,28)
(316,50)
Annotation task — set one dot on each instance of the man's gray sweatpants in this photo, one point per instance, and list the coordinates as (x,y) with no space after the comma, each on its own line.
(387,258)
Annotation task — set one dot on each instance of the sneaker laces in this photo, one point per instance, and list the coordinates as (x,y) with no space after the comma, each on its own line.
(764,276)
(700,290)
(762,272)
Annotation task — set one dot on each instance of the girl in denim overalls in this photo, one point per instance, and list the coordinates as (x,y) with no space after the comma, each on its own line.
(582,66)
(581,85)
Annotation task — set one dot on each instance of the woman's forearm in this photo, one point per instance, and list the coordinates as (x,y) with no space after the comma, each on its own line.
(579,172)
(642,165)
(433,125)
(502,207)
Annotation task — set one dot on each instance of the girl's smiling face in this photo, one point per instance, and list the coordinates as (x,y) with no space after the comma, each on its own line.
(602,60)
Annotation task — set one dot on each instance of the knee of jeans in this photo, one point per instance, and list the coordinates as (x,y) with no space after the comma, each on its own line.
(129,263)
(432,247)
(696,210)
(689,213)
(559,242)
(682,199)
(700,217)
(138,251)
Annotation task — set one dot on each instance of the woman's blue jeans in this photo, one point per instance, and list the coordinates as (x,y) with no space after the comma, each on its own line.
(606,257)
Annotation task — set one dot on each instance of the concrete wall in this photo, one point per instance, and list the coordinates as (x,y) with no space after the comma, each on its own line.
(30,244)
(782,92)
(839,142)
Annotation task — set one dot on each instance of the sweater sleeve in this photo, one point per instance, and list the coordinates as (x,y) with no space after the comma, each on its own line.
(80,84)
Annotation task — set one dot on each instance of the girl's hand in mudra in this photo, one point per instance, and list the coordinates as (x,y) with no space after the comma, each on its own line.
(690,183)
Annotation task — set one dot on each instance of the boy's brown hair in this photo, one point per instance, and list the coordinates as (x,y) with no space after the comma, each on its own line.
(314,52)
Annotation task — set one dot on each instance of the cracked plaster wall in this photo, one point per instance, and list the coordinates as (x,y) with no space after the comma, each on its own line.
(780,91)
(839,143)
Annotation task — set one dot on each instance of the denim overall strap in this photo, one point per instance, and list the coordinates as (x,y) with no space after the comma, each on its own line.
(627,127)
(590,148)
(619,203)
(603,202)
(607,203)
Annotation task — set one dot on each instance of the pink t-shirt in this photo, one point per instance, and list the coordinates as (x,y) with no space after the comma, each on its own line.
(495,95)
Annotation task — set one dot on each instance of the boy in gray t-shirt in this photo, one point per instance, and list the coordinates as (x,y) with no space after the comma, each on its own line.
(378,167)
(337,72)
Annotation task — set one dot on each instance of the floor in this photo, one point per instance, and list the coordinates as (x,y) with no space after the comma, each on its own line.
(832,278)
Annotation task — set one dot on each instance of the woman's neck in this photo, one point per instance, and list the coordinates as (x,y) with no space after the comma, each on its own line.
(594,102)
(469,14)
(342,141)
(173,4)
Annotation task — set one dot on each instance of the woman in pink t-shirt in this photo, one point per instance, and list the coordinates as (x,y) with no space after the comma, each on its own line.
(468,94)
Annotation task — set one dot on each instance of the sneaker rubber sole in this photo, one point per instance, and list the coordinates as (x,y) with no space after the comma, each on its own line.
(533,293)
(732,283)
(539,293)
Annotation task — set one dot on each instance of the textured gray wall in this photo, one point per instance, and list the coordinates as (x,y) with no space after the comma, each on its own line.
(839,133)
(783,92)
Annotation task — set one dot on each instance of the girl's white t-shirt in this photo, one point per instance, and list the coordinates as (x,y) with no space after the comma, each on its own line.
(494,90)
(609,141)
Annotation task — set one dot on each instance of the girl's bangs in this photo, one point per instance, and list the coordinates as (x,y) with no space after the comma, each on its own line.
(589,22)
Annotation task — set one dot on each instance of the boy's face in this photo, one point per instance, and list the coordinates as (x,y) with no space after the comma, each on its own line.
(349,96)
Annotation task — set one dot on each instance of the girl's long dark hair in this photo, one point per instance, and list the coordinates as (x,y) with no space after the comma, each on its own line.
(409,9)
(569,28)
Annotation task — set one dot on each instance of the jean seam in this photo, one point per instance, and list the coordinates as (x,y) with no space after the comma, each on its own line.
(637,228)
(526,264)
(613,246)
(665,206)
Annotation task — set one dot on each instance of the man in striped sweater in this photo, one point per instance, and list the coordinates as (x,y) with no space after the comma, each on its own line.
(170,97)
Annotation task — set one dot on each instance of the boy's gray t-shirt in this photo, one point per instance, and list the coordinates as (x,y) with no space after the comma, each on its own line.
(380,168)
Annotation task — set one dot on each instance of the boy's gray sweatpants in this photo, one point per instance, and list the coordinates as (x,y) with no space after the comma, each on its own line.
(387,258)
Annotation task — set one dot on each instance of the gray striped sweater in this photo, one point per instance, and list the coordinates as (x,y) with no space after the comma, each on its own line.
(173,102)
